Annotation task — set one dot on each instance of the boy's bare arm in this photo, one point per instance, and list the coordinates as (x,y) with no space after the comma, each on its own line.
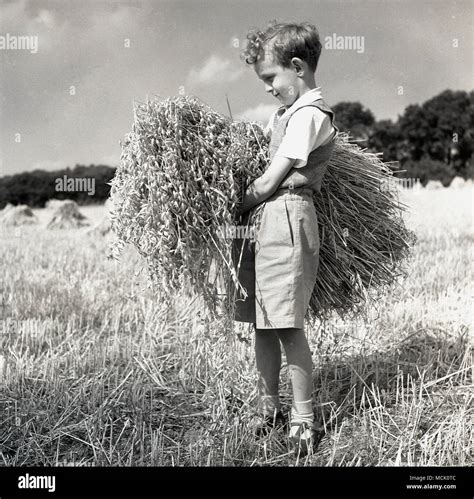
(263,187)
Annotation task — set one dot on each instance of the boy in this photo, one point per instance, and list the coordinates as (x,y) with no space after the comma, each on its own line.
(279,269)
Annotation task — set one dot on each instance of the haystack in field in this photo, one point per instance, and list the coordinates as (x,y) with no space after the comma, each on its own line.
(5,210)
(7,207)
(184,169)
(433,185)
(457,183)
(18,215)
(53,204)
(67,216)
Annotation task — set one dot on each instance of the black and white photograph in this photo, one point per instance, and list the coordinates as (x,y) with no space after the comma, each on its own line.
(236,240)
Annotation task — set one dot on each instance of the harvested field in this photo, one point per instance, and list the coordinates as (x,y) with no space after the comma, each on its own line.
(100,373)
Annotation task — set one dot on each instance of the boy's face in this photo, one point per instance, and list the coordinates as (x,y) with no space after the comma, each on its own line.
(281,82)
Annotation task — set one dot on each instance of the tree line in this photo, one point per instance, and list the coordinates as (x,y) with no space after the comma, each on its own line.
(37,187)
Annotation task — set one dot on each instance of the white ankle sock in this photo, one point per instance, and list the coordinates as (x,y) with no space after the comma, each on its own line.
(305,417)
(303,407)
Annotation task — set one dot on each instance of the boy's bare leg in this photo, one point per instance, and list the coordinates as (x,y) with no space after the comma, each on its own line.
(300,367)
(268,360)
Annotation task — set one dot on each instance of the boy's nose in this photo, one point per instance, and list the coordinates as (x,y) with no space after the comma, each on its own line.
(268,88)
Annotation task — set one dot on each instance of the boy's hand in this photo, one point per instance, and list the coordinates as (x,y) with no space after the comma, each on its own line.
(263,187)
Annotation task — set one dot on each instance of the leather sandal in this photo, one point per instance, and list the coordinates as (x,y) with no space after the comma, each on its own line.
(301,442)
(303,439)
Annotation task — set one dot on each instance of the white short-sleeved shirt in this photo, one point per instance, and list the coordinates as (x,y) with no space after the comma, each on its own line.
(306,130)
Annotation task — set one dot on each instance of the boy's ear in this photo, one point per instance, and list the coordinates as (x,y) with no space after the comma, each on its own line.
(297,64)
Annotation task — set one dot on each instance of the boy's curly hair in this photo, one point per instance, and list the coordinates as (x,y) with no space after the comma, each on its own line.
(285,40)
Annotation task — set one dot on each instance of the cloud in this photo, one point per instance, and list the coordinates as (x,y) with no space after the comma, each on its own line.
(215,70)
(29,19)
(258,113)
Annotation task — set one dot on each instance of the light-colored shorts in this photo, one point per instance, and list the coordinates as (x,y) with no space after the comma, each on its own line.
(279,268)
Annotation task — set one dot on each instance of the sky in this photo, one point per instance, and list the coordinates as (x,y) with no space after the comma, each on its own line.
(68,98)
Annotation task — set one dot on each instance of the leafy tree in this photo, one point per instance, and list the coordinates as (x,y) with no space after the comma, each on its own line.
(387,139)
(352,117)
(441,128)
